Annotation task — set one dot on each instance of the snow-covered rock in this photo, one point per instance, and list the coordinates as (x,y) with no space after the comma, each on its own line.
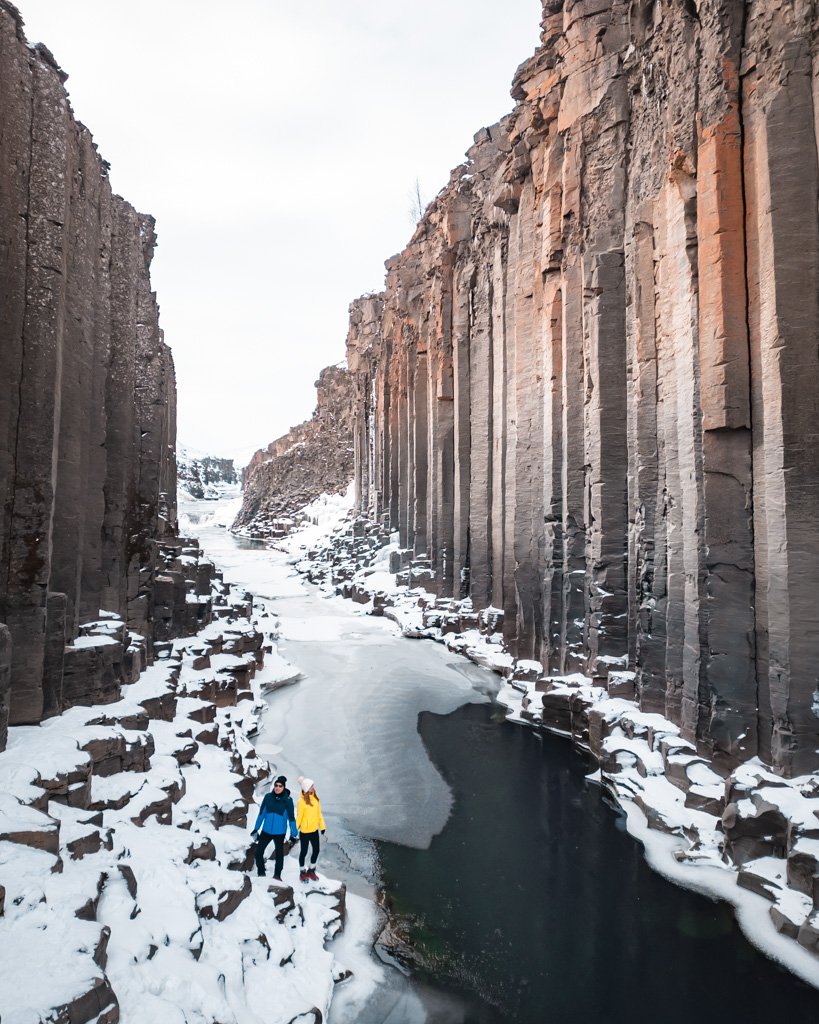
(124,851)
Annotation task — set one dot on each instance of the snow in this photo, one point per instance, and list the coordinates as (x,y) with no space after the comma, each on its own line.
(361,684)
(318,629)
(16,817)
(682,843)
(752,910)
(263,962)
(94,641)
(63,944)
(633,745)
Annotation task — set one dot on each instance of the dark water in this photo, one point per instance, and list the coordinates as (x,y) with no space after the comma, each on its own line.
(536,903)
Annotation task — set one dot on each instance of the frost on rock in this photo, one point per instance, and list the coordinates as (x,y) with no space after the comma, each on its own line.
(124,851)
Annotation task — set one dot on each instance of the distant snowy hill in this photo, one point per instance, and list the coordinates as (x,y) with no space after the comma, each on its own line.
(204,476)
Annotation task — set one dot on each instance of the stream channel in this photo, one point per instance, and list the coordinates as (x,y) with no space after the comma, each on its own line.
(511,874)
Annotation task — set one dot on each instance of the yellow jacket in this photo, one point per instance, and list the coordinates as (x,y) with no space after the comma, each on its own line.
(309,818)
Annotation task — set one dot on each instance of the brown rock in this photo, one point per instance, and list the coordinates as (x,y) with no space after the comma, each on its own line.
(227,901)
(46,838)
(87,412)
(5,683)
(98,1005)
(201,850)
(584,398)
(314,457)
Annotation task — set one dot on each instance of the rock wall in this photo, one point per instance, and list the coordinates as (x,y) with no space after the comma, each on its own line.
(315,457)
(588,393)
(87,409)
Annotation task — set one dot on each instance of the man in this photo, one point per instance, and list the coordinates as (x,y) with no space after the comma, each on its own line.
(275,814)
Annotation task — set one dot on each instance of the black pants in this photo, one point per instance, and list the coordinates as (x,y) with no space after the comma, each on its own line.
(308,839)
(262,843)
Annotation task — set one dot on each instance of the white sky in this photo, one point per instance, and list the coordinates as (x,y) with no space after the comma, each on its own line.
(276,144)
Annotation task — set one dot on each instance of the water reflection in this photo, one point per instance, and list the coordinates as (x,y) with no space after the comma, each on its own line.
(536,899)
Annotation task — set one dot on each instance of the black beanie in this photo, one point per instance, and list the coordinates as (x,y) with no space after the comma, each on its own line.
(282,780)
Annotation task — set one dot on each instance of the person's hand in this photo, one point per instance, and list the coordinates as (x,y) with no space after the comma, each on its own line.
(322,831)
(254,834)
(294,837)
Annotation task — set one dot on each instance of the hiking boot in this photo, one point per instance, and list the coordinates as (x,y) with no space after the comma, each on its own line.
(304,876)
(311,874)
(277,878)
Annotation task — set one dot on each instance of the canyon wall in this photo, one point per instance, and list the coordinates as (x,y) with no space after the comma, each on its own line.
(314,457)
(87,410)
(588,395)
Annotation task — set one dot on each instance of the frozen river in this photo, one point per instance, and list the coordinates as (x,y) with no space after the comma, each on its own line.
(525,894)
(350,724)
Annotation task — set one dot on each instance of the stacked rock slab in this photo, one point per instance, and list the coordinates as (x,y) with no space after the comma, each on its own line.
(87,394)
(312,458)
(588,393)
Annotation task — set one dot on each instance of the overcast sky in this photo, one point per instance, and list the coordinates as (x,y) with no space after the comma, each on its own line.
(276,145)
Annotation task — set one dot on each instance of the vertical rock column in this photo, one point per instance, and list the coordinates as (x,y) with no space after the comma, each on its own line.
(152,388)
(75,495)
(364,335)
(5,683)
(481,425)
(527,495)
(36,440)
(722,717)
(623,284)
(82,473)
(122,432)
(781,177)
(15,156)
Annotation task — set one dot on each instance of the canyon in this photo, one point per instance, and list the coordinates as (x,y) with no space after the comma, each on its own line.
(587,397)
(580,423)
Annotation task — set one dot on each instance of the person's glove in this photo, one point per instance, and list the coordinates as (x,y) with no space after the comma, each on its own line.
(322,831)
(293,837)
(254,834)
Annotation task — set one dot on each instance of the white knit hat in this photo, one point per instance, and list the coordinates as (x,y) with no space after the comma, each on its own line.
(306,784)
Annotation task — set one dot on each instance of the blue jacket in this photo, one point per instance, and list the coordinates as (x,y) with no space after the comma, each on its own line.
(275,813)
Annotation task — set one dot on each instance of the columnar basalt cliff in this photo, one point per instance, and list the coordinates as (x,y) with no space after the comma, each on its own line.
(588,394)
(87,410)
(312,458)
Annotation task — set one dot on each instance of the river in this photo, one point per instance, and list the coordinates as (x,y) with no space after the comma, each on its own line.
(510,870)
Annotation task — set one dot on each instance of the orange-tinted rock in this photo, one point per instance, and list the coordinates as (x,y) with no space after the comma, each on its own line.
(588,392)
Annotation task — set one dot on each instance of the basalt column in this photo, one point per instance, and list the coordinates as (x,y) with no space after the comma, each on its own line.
(80,486)
(623,283)
(779,116)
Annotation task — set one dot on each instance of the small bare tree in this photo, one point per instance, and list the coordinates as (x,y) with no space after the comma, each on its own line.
(417,206)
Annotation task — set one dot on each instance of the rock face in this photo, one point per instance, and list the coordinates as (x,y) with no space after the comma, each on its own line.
(203,476)
(315,457)
(87,406)
(588,393)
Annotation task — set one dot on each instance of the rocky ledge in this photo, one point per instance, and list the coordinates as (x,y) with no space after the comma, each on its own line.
(124,848)
(746,836)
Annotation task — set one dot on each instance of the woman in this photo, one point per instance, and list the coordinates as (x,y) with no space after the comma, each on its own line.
(275,814)
(309,821)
